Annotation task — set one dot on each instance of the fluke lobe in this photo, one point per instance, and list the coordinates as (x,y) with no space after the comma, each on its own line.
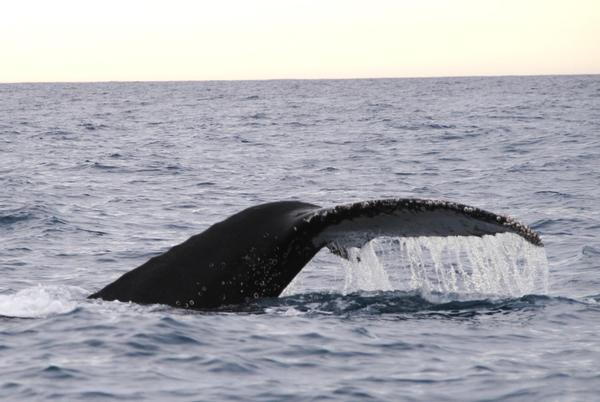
(257,252)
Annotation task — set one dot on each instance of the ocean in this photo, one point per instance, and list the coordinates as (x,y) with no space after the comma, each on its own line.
(96,178)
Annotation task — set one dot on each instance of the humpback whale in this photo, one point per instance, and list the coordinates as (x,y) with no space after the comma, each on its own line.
(257,252)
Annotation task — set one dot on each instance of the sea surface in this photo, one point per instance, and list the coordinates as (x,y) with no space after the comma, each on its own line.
(97,178)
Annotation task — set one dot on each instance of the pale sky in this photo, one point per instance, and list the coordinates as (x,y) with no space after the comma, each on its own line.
(140,40)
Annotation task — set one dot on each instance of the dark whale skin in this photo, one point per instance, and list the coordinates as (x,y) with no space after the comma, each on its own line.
(252,254)
(257,252)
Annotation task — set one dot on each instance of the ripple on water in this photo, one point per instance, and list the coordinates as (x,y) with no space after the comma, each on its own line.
(92,175)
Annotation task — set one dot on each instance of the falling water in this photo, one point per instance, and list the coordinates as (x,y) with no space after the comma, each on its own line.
(503,265)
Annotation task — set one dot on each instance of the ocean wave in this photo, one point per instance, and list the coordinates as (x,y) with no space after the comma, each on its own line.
(92,126)
(413,303)
(33,212)
(589,251)
(40,301)
(8,218)
(555,226)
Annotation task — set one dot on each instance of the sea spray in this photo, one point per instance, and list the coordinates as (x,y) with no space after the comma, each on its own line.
(500,265)
(41,301)
(364,270)
(458,267)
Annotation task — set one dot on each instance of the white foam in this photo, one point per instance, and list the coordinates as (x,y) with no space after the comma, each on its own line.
(41,301)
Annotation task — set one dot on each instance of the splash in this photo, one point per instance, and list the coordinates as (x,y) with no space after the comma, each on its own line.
(502,265)
(364,270)
(40,301)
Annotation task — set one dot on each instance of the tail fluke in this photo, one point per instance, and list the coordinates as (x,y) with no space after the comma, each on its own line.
(346,226)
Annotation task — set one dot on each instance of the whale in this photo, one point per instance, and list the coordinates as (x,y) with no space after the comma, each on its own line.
(257,252)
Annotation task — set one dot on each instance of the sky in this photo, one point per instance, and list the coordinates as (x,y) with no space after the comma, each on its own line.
(155,40)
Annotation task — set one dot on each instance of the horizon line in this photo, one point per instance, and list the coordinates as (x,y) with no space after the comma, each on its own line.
(303,79)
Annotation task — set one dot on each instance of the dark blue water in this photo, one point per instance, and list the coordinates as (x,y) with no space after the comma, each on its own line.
(97,178)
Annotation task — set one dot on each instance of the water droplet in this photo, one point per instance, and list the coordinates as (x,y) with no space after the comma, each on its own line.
(504,264)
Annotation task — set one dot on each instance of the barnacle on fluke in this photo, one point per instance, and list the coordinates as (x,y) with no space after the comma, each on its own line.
(395,206)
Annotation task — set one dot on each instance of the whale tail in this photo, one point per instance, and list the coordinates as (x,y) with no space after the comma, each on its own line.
(343,227)
(257,252)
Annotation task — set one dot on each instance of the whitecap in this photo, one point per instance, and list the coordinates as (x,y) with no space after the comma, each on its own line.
(41,301)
